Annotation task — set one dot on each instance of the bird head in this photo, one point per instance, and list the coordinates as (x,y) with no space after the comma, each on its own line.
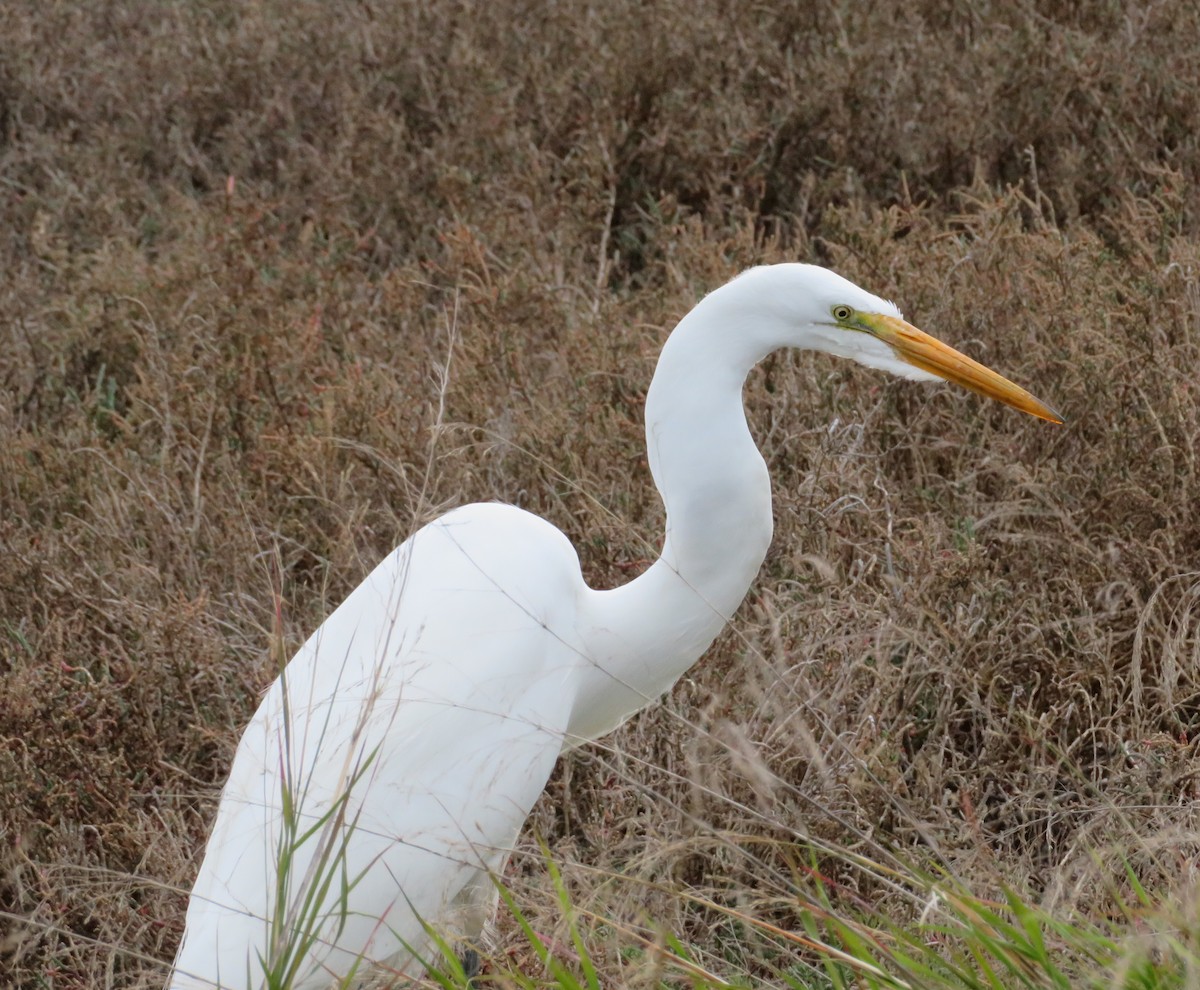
(823,311)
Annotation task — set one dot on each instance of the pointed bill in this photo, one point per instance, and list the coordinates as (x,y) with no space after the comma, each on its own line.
(930,354)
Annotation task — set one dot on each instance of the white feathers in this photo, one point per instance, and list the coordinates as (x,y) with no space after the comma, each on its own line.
(391,768)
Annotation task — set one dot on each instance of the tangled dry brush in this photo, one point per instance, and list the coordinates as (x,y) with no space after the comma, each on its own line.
(280,281)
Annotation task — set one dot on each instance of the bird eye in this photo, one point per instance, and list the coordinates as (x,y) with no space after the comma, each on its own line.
(842,313)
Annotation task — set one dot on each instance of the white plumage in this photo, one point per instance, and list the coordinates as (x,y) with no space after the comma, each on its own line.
(409,737)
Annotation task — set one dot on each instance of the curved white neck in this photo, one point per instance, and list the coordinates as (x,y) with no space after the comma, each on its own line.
(717,493)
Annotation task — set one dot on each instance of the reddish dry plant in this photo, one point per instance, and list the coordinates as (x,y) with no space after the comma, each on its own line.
(281,281)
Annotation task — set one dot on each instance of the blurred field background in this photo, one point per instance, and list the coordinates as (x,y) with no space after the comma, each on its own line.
(280,281)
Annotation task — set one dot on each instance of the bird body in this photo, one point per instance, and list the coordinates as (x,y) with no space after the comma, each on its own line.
(386,775)
(413,746)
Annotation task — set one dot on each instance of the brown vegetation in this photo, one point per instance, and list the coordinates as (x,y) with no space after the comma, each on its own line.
(242,243)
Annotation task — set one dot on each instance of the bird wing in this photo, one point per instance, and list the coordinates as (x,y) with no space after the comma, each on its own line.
(410,736)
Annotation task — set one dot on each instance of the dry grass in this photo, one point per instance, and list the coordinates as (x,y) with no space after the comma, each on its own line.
(240,242)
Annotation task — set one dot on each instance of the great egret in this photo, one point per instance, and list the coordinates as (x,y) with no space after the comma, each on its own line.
(386,774)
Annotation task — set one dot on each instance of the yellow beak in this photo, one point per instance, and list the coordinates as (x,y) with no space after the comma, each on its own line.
(930,354)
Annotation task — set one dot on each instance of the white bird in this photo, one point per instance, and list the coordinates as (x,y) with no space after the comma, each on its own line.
(385,777)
